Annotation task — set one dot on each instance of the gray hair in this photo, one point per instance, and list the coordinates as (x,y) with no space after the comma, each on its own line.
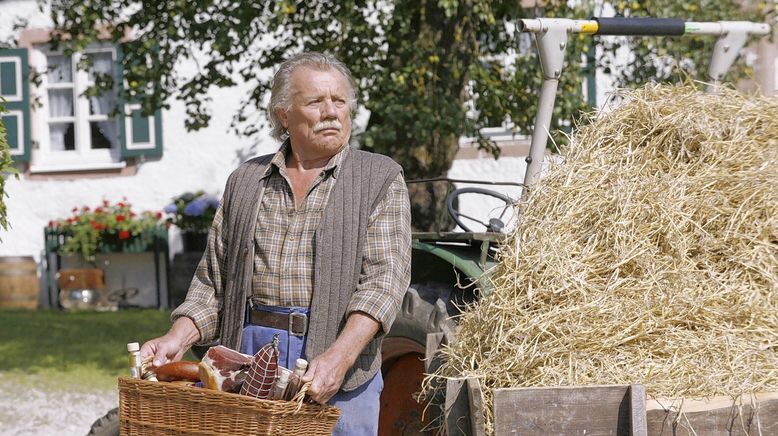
(280,92)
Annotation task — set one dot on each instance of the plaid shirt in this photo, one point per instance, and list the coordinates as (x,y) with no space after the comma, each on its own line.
(284,251)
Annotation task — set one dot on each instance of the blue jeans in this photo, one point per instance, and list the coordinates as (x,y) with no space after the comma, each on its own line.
(358,408)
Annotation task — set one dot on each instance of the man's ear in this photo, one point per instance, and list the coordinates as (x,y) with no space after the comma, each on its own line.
(282,115)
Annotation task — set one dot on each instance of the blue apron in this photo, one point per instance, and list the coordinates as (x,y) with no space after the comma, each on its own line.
(359,408)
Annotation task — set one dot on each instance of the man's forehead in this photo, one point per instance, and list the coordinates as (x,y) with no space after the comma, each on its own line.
(303,81)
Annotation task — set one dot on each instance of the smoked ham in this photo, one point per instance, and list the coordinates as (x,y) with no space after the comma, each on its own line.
(224,369)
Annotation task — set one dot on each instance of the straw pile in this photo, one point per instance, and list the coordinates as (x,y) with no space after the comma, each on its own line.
(649,256)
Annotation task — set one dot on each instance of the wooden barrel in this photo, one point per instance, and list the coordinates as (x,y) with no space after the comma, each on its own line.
(19,285)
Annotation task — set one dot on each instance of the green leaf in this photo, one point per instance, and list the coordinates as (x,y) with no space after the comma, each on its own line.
(7,169)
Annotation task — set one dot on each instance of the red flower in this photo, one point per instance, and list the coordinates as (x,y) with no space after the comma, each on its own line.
(51,223)
(74,210)
(106,203)
(99,210)
(120,204)
(120,218)
(158,215)
(85,208)
(124,234)
(71,220)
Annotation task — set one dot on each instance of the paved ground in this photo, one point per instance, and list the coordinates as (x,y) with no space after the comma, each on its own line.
(31,411)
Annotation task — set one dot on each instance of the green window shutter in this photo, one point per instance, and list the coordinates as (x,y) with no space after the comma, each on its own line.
(15,90)
(138,135)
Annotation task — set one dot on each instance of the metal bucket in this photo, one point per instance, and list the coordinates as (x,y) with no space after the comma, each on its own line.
(19,285)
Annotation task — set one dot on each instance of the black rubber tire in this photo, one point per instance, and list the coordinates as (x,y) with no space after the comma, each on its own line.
(426,308)
(107,425)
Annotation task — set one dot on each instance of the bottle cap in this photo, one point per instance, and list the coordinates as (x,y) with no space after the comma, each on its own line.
(301,364)
(283,379)
(133,346)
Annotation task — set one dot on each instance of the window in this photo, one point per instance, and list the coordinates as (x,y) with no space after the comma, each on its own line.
(54,126)
(74,128)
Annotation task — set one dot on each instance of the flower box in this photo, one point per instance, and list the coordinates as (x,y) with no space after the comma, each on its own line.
(109,228)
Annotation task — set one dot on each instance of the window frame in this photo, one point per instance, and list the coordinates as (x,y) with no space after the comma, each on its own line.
(84,157)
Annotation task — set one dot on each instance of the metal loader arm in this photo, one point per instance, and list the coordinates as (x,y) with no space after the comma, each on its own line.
(551,35)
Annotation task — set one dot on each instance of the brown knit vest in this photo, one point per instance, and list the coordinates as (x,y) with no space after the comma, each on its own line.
(362,182)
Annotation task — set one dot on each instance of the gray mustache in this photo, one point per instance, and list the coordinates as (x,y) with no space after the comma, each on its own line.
(329,124)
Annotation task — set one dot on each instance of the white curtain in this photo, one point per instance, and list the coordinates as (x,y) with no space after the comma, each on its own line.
(59,70)
(105,103)
(60,105)
(57,133)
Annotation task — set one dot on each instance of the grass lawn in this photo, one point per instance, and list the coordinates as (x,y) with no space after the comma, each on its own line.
(73,350)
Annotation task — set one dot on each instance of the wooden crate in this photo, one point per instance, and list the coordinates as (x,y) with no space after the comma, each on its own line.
(757,415)
(581,410)
(599,410)
(80,278)
(620,410)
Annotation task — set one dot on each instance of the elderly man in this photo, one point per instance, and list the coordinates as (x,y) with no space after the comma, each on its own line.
(312,242)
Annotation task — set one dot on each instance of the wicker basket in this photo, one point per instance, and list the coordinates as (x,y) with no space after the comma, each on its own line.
(150,408)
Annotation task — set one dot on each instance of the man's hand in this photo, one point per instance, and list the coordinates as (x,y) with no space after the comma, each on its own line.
(172,346)
(327,370)
(326,374)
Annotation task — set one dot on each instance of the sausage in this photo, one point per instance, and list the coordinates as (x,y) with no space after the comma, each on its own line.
(263,371)
(178,371)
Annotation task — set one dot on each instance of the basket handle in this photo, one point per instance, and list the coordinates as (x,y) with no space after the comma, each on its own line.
(300,396)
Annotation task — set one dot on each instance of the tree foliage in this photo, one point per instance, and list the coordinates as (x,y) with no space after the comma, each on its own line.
(429,71)
(6,168)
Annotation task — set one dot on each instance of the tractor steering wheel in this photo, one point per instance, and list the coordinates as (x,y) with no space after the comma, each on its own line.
(494,224)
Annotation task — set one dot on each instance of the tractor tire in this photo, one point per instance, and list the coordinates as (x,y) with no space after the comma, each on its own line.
(107,425)
(426,308)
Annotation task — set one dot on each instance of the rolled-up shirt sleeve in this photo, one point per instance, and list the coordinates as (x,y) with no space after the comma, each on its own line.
(386,264)
(206,292)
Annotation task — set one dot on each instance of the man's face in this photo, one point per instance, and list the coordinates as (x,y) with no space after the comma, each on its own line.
(319,119)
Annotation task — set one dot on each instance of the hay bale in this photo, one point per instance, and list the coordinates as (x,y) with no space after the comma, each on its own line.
(649,256)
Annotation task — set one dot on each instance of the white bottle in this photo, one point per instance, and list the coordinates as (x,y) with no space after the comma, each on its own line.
(279,387)
(133,348)
(300,366)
